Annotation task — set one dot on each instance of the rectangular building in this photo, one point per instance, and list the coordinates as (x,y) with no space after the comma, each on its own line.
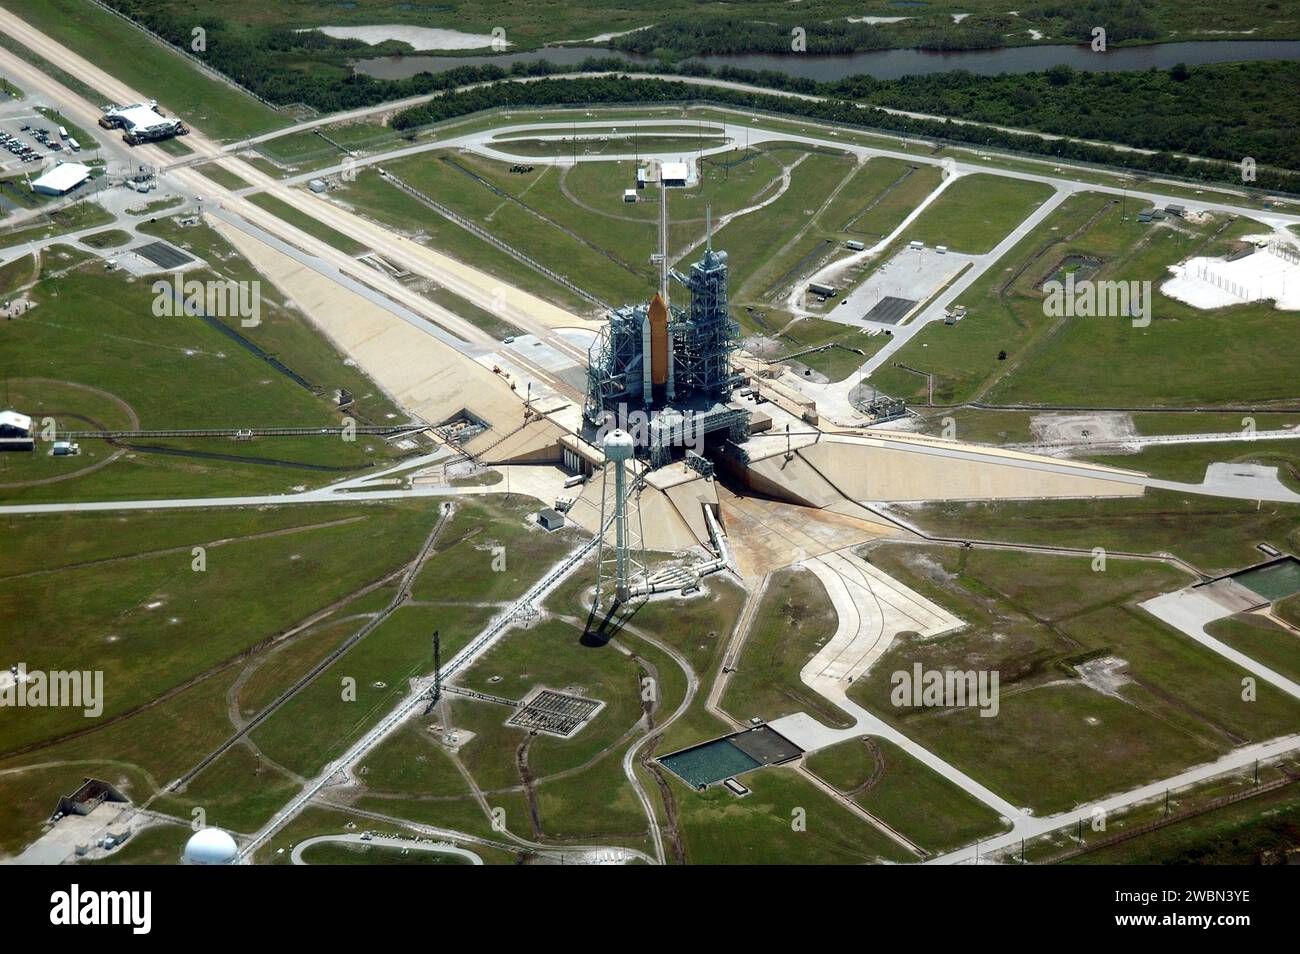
(674,174)
(61,179)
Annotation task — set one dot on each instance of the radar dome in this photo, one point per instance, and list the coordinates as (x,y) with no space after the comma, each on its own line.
(211,846)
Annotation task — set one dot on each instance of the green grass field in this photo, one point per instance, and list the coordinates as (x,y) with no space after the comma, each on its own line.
(794,620)
(977,212)
(310,225)
(1261,830)
(153,622)
(212,106)
(879,197)
(911,798)
(762,828)
(134,369)
(491,552)
(1033,620)
(1262,640)
(386,204)
(71,218)
(1099,361)
(110,238)
(327,853)
(1213,534)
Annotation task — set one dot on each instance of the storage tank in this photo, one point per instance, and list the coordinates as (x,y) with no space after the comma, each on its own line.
(210,846)
(658,340)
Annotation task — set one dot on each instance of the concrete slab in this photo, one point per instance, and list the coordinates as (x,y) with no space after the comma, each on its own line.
(767,534)
(873,609)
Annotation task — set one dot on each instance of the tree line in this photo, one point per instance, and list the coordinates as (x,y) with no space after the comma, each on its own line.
(1223,111)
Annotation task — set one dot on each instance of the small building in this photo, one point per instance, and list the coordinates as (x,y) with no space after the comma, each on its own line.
(674,174)
(1145,215)
(641,176)
(855,245)
(16,432)
(821,289)
(317,185)
(737,789)
(65,449)
(61,179)
(550,519)
(1177,210)
(13,424)
(941,249)
(92,793)
(915,244)
(629,195)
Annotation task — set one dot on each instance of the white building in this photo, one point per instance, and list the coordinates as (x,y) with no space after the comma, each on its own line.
(61,179)
(13,424)
(674,174)
(142,122)
(16,432)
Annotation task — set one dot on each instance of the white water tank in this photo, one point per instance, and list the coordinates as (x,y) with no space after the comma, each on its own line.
(619,445)
(210,846)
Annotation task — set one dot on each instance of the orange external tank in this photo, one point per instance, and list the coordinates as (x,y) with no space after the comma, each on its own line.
(658,340)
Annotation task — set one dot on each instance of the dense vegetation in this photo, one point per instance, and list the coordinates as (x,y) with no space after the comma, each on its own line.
(1226,112)
(695,37)
(1123,20)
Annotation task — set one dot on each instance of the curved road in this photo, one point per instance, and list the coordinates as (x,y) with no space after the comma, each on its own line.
(383,841)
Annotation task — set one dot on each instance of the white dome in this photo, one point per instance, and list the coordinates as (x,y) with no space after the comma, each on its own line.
(619,445)
(211,846)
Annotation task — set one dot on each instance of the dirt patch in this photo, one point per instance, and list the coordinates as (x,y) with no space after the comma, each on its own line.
(1077,428)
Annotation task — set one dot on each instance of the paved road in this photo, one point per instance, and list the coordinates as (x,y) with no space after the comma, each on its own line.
(1190,610)
(707,82)
(1185,610)
(326,495)
(1032,828)
(383,841)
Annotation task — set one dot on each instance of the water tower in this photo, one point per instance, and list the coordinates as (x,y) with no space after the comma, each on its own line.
(625,561)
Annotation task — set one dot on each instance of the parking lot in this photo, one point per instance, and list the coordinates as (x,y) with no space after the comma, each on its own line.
(31,140)
(908,279)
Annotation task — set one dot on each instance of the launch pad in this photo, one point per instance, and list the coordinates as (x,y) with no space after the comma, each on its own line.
(665,374)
